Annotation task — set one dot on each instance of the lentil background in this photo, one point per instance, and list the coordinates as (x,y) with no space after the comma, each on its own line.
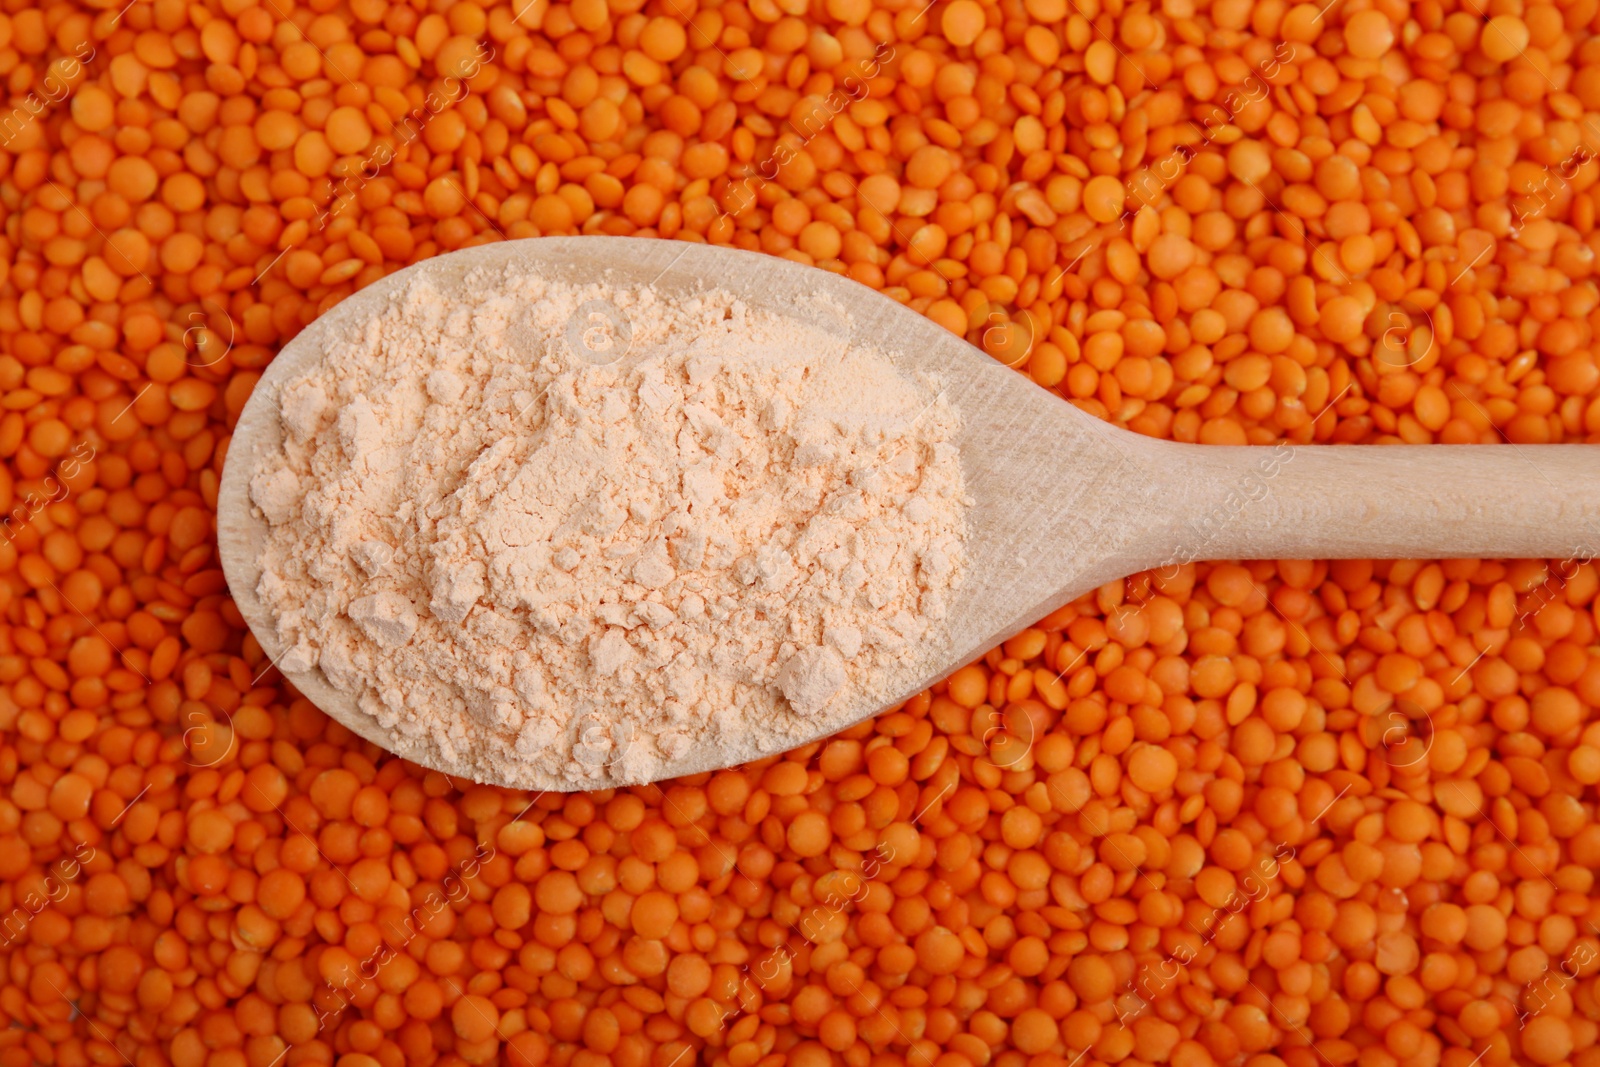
(1275,813)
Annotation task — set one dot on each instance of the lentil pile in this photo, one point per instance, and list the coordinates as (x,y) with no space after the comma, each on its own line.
(1282,814)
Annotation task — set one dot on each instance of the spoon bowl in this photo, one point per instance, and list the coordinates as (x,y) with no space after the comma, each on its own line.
(1061,501)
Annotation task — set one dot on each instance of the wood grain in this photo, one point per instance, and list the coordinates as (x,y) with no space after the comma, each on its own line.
(1062,502)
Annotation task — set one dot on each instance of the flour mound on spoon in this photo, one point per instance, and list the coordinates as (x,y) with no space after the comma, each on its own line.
(717,520)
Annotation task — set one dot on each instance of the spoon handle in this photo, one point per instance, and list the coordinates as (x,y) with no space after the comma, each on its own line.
(1386,502)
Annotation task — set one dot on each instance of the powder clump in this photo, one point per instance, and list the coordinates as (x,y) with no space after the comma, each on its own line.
(811,678)
(546,562)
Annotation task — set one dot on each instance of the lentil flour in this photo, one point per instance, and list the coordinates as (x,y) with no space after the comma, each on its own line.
(578,531)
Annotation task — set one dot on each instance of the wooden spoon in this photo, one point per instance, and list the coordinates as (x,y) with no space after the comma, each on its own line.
(1062,501)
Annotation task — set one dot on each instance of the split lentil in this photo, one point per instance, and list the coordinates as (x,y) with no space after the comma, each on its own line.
(1276,813)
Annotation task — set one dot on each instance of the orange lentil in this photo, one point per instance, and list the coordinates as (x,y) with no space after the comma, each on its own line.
(1270,813)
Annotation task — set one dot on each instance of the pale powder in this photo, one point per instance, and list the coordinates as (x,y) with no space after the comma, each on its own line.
(538,563)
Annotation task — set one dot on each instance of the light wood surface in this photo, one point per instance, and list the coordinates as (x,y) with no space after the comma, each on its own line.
(1062,501)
